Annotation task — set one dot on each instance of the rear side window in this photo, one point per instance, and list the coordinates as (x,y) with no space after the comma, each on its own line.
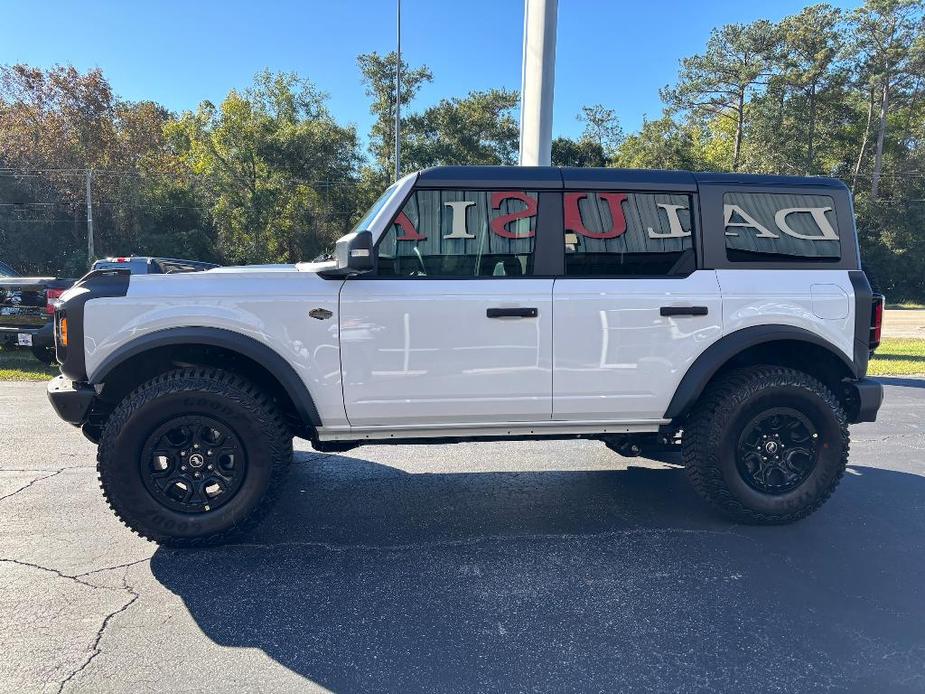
(763,227)
(461,233)
(627,234)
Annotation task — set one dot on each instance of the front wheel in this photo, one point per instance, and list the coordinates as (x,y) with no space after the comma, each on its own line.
(193,457)
(766,445)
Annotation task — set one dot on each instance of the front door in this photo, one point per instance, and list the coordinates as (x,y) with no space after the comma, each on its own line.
(632,312)
(452,328)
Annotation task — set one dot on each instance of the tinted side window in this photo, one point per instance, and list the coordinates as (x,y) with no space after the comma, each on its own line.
(461,233)
(766,227)
(616,234)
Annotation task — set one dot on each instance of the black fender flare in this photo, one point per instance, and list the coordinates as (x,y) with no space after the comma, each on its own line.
(714,357)
(246,346)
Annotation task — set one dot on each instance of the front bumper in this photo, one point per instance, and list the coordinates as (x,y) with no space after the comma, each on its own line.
(71,400)
(866,396)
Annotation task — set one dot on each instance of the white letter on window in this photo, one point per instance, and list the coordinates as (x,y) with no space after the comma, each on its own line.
(459,220)
(749,222)
(676,231)
(818,213)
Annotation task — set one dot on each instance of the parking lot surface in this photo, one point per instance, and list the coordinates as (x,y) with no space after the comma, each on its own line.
(904,323)
(503,567)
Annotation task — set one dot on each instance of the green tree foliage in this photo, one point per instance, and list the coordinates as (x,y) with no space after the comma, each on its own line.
(602,127)
(887,45)
(270,175)
(662,144)
(581,152)
(378,73)
(55,125)
(598,143)
(718,83)
(805,93)
(267,157)
(819,93)
(477,129)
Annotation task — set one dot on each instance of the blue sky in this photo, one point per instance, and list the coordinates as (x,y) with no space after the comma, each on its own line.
(615,52)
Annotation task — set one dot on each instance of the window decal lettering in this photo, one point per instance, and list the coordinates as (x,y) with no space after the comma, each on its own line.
(818,214)
(675,228)
(461,233)
(780,227)
(459,207)
(612,234)
(409,233)
(748,222)
(499,224)
(574,222)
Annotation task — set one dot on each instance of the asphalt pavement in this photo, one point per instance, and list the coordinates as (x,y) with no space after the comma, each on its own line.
(541,566)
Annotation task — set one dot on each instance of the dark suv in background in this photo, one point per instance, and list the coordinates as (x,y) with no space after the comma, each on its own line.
(27,303)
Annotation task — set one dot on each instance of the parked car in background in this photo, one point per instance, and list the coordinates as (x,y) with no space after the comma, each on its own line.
(27,303)
(149,265)
(27,310)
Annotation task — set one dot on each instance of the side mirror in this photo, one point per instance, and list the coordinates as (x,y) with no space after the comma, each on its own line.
(354,253)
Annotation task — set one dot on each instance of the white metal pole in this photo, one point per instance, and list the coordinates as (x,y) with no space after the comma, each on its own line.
(538,82)
(398,90)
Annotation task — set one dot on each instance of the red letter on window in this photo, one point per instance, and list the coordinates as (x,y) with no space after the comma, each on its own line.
(499,224)
(574,223)
(409,233)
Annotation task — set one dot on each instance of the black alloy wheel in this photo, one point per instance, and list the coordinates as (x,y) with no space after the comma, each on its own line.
(193,464)
(195,456)
(776,451)
(766,444)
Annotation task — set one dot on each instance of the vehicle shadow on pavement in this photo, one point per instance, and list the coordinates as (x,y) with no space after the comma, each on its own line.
(368,578)
(903,382)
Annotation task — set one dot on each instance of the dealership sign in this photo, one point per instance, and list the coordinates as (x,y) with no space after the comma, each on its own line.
(735,219)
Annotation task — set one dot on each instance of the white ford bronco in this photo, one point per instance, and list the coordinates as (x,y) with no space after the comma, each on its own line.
(722,315)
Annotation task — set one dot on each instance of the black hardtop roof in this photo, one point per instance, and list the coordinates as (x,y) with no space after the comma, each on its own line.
(546,177)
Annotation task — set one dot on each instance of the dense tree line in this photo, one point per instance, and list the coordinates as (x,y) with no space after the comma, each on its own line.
(269,175)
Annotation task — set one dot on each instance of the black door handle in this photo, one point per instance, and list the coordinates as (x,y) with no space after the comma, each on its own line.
(683,310)
(511,312)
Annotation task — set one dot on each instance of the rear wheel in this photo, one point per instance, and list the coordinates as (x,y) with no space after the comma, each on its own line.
(193,457)
(766,445)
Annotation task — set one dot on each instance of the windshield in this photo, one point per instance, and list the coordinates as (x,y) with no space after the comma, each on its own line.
(367,219)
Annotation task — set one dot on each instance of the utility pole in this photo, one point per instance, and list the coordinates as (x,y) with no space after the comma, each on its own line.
(397,89)
(537,82)
(91,256)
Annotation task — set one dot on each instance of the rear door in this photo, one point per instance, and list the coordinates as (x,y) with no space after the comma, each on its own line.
(631,311)
(453,327)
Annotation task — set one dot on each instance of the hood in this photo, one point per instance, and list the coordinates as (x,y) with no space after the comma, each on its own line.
(239,269)
(297,267)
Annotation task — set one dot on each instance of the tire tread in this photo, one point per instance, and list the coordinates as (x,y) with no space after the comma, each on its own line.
(199,379)
(705,426)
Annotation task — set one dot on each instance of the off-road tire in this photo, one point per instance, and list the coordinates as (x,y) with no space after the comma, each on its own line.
(241,407)
(712,430)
